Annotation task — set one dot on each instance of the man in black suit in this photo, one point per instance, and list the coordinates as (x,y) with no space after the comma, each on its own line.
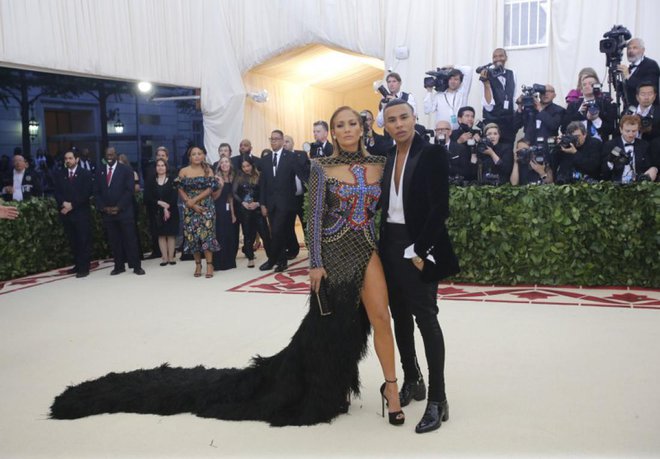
(581,159)
(416,253)
(20,183)
(541,120)
(646,96)
(593,108)
(73,188)
(641,70)
(277,183)
(86,162)
(499,95)
(626,158)
(458,155)
(375,143)
(321,147)
(114,189)
(244,151)
(293,247)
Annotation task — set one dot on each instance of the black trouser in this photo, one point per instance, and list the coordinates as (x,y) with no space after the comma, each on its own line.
(410,296)
(293,247)
(253,223)
(78,229)
(152,215)
(281,222)
(123,242)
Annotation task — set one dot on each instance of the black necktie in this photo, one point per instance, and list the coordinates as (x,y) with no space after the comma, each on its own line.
(632,67)
(628,145)
(275,160)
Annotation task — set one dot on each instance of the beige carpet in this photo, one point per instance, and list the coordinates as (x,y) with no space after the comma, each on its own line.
(523,379)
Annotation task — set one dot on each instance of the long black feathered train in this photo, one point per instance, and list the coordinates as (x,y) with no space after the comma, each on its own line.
(305,383)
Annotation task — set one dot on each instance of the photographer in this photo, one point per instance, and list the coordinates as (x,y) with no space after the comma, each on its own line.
(577,155)
(375,143)
(393,81)
(537,114)
(466,129)
(499,94)
(445,103)
(628,159)
(495,159)
(641,69)
(594,109)
(526,166)
(646,95)
(321,147)
(458,155)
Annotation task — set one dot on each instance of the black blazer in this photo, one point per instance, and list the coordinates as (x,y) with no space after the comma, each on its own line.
(425,206)
(458,156)
(31,184)
(318,151)
(118,194)
(76,191)
(238,159)
(607,114)
(279,191)
(643,160)
(647,72)
(550,119)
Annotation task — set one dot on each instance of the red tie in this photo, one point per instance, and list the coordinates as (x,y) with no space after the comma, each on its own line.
(109,176)
(70,175)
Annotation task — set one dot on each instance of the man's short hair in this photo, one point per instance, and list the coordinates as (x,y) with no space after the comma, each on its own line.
(395,102)
(576,126)
(394,75)
(322,123)
(456,72)
(163,148)
(277,131)
(525,141)
(631,119)
(645,84)
(225,144)
(75,151)
(467,108)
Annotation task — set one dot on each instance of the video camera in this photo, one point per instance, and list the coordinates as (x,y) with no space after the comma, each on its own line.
(439,79)
(613,43)
(568,139)
(528,97)
(494,70)
(541,152)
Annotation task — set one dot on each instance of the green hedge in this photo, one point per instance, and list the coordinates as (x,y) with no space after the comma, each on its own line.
(601,234)
(35,242)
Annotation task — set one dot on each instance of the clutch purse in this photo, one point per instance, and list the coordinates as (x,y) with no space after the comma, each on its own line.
(321,298)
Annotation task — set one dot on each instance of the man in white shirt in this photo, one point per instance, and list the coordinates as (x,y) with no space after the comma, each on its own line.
(393,81)
(445,104)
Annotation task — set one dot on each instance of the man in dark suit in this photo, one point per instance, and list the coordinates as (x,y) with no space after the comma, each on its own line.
(293,247)
(581,159)
(375,143)
(646,96)
(244,151)
(541,120)
(321,147)
(278,196)
(73,188)
(86,161)
(499,95)
(626,158)
(458,155)
(641,70)
(20,183)
(114,189)
(593,108)
(416,253)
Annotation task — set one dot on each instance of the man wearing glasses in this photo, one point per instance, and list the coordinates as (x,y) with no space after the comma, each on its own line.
(458,154)
(542,120)
(277,182)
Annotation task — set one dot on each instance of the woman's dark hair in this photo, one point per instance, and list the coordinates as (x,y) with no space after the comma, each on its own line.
(205,165)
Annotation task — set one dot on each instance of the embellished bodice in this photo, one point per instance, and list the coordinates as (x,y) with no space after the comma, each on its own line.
(342,203)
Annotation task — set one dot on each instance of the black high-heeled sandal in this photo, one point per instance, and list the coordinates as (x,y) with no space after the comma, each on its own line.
(398,417)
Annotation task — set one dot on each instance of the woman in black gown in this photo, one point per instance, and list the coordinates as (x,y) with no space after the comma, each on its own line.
(162,198)
(309,380)
(225,217)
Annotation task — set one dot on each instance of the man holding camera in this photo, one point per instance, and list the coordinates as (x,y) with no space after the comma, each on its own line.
(641,69)
(393,81)
(537,114)
(594,109)
(321,147)
(530,164)
(578,156)
(375,143)
(466,129)
(627,158)
(646,95)
(499,91)
(445,104)
(459,154)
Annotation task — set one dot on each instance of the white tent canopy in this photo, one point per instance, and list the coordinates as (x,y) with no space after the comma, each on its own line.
(213,44)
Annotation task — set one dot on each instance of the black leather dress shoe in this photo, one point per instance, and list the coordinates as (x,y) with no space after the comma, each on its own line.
(116,271)
(266,266)
(281,267)
(412,390)
(82,274)
(139,271)
(436,413)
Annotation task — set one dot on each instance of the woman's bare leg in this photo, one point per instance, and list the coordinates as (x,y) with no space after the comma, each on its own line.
(374,297)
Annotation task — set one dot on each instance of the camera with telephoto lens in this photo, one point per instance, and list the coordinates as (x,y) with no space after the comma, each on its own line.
(494,70)
(643,178)
(536,153)
(613,43)
(383,92)
(439,79)
(568,139)
(483,145)
(646,121)
(528,97)
(618,157)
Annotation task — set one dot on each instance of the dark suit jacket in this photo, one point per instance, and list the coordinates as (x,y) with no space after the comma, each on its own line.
(238,159)
(643,159)
(318,151)
(279,191)
(76,191)
(31,184)
(118,194)
(425,206)
(458,155)
(550,119)
(647,72)
(607,115)
(587,161)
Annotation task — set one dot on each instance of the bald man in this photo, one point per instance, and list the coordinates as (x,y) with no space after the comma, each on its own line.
(641,70)
(21,183)
(245,151)
(543,120)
